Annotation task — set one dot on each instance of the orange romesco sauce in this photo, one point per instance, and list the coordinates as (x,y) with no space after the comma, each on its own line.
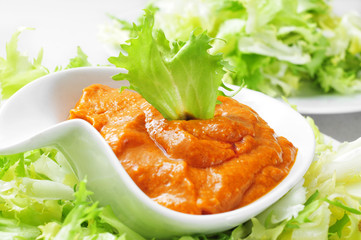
(194,166)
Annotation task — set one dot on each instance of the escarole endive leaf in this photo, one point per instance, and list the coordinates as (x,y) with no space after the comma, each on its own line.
(180,79)
(17,70)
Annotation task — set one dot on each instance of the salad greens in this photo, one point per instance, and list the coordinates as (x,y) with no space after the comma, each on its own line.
(81,60)
(17,70)
(180,79)
(41,198)
(279,47)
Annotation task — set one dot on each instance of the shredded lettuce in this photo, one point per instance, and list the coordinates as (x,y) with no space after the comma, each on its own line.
(24,187)
(41,198)
(180,79)
(321,144)
(86,220)
(17,70)
(11,229)
(81,60)
(279,47)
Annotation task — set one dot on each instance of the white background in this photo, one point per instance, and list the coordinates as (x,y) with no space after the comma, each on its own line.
(62,25)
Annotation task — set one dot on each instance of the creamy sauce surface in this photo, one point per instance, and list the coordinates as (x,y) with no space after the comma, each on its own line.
(195,166)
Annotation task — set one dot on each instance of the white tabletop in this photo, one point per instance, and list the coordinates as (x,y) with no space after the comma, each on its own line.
(61,26)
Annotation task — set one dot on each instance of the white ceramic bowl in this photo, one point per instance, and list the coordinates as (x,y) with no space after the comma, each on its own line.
(35,117)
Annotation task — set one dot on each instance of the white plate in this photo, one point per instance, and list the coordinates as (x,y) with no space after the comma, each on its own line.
(328,104)
(332,104)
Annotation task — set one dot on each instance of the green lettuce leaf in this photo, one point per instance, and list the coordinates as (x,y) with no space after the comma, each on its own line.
(18,70)
(41,198)
(338,226)
(180,79)
(81,60)
(336,176)
(279,47)
(26,194)
(321,144)
(11,229)
(83,212)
